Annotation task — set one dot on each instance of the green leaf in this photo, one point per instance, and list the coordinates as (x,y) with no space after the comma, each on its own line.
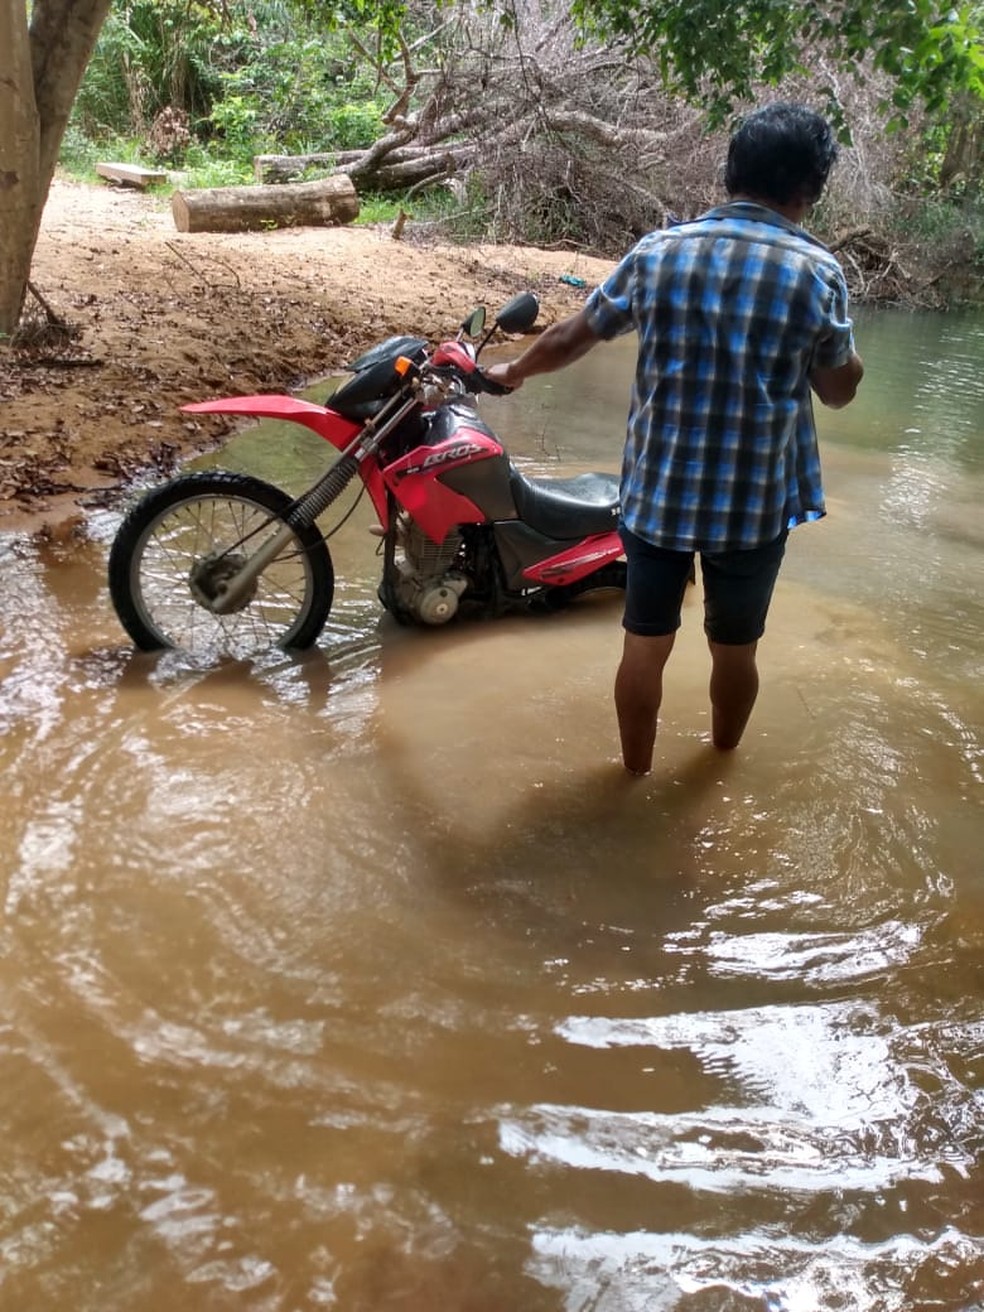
(715,50)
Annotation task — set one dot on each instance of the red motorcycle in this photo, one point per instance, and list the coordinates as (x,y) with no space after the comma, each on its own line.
(224,562)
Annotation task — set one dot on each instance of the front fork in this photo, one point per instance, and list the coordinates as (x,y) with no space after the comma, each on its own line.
(232,593)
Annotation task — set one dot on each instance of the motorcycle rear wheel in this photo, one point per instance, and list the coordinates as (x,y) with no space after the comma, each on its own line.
(609,578)
(181,539)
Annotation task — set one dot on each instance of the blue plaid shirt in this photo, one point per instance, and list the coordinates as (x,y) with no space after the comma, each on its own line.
(732,310)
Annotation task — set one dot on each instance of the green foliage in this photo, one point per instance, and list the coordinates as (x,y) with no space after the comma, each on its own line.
(251,79)
(941,242)
(469,217)
(296,95)
(381,19)
(380,209)
(235,118)
(204,169)
(150,54)
(352,126)
(945,161)
(80,154)
(935,222)
(433,206)
(716,51)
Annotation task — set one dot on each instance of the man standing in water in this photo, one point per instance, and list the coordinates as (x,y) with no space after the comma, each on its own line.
(739,314)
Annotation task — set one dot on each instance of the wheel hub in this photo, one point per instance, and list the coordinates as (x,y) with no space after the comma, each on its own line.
(209,576)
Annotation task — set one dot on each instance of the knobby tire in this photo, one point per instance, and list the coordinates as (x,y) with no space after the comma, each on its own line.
(176,525)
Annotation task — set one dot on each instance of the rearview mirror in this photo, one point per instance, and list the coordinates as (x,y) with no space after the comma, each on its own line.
(475,322)
(518,314)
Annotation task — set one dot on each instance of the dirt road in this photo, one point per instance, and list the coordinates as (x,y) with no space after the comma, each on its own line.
(160,317)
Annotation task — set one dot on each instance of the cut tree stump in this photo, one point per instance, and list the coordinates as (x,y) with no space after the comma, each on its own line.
(131,175)
(326,203)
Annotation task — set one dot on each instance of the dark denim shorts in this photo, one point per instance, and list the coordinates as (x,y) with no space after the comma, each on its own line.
(737,589)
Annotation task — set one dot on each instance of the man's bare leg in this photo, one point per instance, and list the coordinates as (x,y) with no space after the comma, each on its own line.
(734,687)
(638,694)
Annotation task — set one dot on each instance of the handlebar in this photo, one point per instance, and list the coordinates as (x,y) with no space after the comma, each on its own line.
(487,385)
(472,380)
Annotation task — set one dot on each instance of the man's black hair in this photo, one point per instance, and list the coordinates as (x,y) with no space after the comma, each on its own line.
(782,153)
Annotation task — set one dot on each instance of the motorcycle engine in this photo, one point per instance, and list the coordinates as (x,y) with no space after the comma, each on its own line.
(426,584)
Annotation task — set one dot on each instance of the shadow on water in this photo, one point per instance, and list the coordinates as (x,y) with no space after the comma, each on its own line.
(533,852)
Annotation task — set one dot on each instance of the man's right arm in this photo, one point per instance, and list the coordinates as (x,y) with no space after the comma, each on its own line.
(838,387)
(561,344)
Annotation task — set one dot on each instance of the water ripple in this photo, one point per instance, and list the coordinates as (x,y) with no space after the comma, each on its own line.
(760,1270)
(804,1098)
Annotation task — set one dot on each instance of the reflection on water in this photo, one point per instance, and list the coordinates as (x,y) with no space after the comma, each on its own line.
(367,981)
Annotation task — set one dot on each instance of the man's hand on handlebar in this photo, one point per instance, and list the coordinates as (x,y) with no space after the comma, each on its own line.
(497,379)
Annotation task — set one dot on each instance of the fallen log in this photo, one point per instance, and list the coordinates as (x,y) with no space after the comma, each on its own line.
(328,202)
(291,168)
(395,169)
(131,175)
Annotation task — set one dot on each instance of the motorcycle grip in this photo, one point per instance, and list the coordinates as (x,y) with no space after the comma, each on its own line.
(487,385)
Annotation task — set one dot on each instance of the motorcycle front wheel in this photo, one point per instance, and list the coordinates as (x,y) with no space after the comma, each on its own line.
(182,540)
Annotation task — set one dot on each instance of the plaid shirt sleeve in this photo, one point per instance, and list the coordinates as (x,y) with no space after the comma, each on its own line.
(610,307)
(836,345)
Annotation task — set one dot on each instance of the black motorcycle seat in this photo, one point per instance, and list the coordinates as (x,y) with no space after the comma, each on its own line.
(567,507)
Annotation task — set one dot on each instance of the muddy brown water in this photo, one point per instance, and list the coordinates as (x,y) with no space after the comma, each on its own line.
(365,980)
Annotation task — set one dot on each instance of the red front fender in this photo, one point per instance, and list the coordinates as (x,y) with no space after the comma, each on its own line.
(330,425)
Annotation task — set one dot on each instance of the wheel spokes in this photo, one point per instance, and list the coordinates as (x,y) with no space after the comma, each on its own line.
(212,529)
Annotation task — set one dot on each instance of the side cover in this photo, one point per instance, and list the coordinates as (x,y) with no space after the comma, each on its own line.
(459,474)
(529,559)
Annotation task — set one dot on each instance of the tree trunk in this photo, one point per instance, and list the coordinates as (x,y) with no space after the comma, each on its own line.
(291,168)
(325,203)
(964,154)
(42,68)
(399,170)
(19,165)
(273,169)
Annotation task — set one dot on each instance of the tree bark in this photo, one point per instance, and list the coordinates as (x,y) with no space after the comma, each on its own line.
(43,67)
(274,169)
(325,203)
(291,168)
(19,164)
(63,34)
(408,166)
